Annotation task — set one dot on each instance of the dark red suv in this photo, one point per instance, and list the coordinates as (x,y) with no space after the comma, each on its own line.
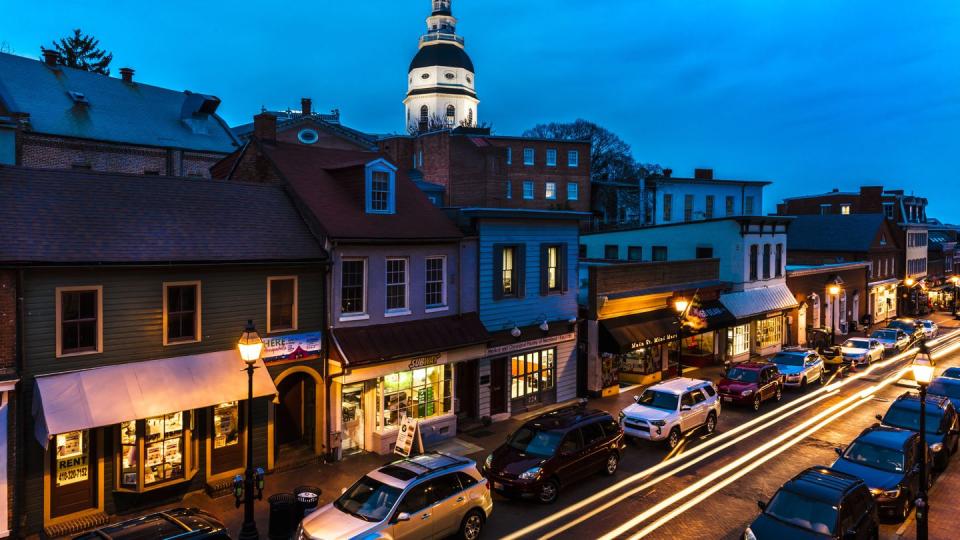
(555,450)
(751,383)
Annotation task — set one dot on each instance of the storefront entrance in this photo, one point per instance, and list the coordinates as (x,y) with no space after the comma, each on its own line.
(532,379)
(466,380)
(498,386)
(295,413)
(352,418)
(73,473)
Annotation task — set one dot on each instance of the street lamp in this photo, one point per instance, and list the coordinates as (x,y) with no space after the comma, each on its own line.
(834,290)
(681,305)
(923,374)
(250,346)
(956,289)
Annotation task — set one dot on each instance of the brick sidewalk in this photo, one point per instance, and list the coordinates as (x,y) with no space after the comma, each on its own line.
(944,520)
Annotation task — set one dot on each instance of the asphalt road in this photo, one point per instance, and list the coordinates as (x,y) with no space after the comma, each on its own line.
(710,488)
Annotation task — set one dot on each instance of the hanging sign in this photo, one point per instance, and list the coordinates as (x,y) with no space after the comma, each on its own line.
(408,434)
(291,347)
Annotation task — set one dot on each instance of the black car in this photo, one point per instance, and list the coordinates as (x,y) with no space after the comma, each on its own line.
(178,523)
(888,460)
(818,503)
(942,426)
(911,327)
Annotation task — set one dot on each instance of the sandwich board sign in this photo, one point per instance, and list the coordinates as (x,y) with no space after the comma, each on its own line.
(408,433)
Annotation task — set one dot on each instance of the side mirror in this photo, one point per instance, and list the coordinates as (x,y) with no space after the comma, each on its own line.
(402,516)
(636,398)
(685,407)
(761,505)
(838,450)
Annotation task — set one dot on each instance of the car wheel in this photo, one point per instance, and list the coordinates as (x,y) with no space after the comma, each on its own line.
(803,384)
(613,461)
(756,402)
(549,491)
(821,378)
(711,424)
(471,526)
(905,509)
(673,439)
(779,395)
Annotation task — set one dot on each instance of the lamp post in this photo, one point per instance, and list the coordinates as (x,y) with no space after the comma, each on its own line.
(909,283)
(681,305)
(923,374)
(834,291)
(956,289)
(250,346)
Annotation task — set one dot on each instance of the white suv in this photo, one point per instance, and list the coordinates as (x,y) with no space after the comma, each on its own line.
(665,411)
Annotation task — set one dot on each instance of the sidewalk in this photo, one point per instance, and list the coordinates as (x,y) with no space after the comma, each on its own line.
(944,520)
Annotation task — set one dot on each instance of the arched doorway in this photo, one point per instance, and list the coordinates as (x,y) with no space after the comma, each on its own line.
(297,415)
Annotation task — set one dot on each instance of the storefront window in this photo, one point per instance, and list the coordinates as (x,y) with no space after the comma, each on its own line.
(532,372)
(698,345)
(769,332)
(738,340)
(72,457)
(421,393)
(162,443)
(642,361)
(226,425)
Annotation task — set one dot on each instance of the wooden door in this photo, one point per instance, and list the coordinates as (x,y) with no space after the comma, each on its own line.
(73,474)
(466,387)
(289,412)
(498,386)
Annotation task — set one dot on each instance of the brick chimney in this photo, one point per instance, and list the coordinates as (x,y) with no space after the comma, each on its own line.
(667,173)
(126,74)
(871,199)
(305,106)
(703,174)
(50,57)
(265,127)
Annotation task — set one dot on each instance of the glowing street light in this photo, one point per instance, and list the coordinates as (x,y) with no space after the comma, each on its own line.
(251,346)
(681,305)
(923,374)
(834,290)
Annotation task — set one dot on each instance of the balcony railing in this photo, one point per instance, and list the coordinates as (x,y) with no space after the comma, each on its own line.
(441,37)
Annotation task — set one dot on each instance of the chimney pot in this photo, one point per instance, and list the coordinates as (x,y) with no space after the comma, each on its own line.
(305,106)
(126,74)
(667,173)
(703,174)
(50,57)
(265,127)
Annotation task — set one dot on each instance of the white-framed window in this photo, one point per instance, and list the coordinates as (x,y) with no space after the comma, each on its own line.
(573,158)
(528,189)
(551,157)
(435,281)
(397,290)
(551,190)
(381,179)
(528,156)
(181,312)
(573,191)
(748,205)
(738,340)
(79,320)
(282,303)
(353,287)
(509,156)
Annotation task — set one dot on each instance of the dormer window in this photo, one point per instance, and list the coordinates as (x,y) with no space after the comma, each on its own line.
(381,187)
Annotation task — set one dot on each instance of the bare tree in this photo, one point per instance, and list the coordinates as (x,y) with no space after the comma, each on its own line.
(5,47)
(81,51)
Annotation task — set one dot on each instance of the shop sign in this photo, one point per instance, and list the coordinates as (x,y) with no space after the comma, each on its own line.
(72,470)
(291,347)
(424,361)
(408,433)
(542,342)
(651,342)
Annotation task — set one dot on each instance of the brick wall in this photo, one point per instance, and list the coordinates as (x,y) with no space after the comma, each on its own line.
(8,319)
(637,276)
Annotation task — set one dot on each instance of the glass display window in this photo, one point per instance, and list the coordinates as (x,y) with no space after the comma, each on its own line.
(152,450)
(532,372)
(73,457)
(226,425)
(769,332)
(420,393)
(698,345)
(738,340)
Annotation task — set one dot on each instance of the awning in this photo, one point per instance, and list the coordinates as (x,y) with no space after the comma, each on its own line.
(754,302)
(112,394)
(628,333)
(714,315)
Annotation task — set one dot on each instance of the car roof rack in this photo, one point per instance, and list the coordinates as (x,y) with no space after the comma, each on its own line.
(429,463)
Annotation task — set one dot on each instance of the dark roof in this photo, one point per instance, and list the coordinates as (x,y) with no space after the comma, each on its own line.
(822,483)
(133,113)
(887,437)
(384,342)
(56,216)
(328,122)
(441,54)
(565,418)
(456,91)
(331,184)
(834,232)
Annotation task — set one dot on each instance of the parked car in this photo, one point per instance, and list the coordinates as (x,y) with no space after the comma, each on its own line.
(911,327)
(816,504)
(893,340)
(862,351)
(555,450)
(833,359)
(930,328)
(947,387)
(178,523)
(665,411)
(887,459)
(751,383)
(427,496)
(942,435)
(799,367)
(951,372)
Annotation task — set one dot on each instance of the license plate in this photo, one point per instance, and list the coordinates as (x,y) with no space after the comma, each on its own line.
(497,485)
(727,398)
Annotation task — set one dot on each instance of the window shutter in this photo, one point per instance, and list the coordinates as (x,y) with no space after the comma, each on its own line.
(544,290)
(563,264)
(520,269)
(497,281)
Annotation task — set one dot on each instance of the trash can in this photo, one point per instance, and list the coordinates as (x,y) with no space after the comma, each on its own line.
(283,516)
(308,498)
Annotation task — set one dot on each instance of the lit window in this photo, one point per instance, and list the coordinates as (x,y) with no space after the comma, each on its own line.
(396,284)
(421,393)
(551,190)
(532,373)
(528,156)
(573,191)
(845,209)
(435,281)
(573,158)
(551,157)
(553,270)
(508,272)
(528,189)
(162,441)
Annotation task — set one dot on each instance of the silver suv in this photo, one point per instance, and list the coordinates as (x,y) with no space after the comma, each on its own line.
(665,411)
(428,496)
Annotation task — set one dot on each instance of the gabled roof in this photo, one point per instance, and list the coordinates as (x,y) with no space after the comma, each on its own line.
(328,122)
(834,232)
(115,111)
(56,216)
(331,183)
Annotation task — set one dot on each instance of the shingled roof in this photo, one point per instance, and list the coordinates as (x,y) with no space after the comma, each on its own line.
(55,216)
(108,109)
(834,232)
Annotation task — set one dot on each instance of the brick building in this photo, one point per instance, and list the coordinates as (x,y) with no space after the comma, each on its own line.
(310,128)
(818,309)
(469,167)
(56,117)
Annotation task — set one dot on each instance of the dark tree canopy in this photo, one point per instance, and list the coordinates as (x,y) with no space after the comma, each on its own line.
(610,157)
(81,51)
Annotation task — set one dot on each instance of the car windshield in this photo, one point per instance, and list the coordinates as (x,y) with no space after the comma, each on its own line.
(877,457)
(368,499)
(942,388)
(857,344)
(659,400)
(910,327)
(803,512)
(788,359)
(884,334)
(535,442)
(909,418)
(742,375)
(951,372)
(928,324)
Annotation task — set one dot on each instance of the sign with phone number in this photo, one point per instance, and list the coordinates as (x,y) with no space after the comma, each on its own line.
(72,470)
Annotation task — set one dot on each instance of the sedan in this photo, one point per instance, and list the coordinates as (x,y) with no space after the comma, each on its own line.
(862,351)
(930,328)
(911,327)
(893,340)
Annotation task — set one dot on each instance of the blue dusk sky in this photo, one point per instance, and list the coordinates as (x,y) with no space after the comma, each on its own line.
(811,94)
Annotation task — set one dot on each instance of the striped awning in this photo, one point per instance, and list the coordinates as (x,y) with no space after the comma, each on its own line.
(754,302)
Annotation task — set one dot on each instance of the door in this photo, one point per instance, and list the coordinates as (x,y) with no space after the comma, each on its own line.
(465,379)
(351,418)
(73,478)
(498,386)
(451,505)
(418,503)
(595,452)
(688,417)
(570,456)
(289,413)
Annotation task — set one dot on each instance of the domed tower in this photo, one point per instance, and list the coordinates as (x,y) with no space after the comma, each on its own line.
(440,81)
